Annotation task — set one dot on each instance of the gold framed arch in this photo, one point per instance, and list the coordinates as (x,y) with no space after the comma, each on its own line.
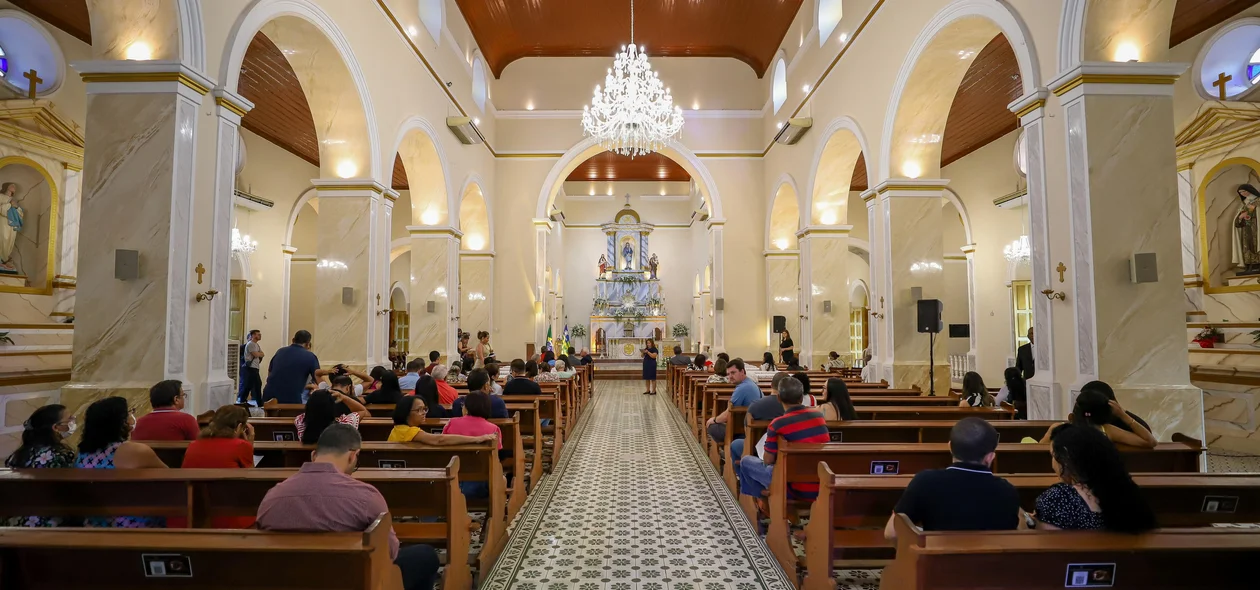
(54,203)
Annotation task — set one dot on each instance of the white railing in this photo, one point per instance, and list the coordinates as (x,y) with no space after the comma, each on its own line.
(960,365)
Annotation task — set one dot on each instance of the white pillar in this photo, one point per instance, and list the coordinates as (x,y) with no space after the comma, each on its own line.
(715,249)
(65,280)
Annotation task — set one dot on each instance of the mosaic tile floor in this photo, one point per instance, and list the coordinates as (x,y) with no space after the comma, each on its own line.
(633,504)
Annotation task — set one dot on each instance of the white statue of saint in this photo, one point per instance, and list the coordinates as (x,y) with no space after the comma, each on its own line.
(11,219)
(1246,250)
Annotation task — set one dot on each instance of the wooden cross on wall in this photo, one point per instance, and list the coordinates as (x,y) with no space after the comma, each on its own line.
(200,270)
(1220,84)
(33,77)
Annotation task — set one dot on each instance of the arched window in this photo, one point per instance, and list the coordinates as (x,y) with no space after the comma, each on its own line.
(1230,60)
(433,16)
(829,14)
(479,83)
(778,92)
(26,45)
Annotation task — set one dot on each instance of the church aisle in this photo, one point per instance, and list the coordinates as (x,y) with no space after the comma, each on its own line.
(633,505)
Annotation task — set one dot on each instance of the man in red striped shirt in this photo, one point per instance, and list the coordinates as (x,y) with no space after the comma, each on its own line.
(798,424)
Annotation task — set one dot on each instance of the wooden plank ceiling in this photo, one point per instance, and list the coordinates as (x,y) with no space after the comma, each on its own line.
(979,114)
(747,30)
(70,16)
(608,166)
(1192,17)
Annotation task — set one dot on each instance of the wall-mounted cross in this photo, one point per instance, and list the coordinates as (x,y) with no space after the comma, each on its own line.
(1060,269)
(200,270)
(34,79)
(1220,84)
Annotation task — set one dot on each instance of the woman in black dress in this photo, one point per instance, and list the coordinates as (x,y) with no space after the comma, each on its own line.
(1096,490)
(787,349)
(649,367)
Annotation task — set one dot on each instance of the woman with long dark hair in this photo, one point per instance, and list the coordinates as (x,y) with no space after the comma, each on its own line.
(387,392)
(43,448)
(650,354)
(1094,410)
(1097,491)
(1014,390)
(974,393)
(838,405)
(328,406)
(767,362)
(107,426)
(427,391)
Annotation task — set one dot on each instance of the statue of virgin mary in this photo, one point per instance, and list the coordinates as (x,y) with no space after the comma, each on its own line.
(11,220)
(1246,251)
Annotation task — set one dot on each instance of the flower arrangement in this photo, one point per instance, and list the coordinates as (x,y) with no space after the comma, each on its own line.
(5,339)
(629,279)
(578,330)
(1210,335)
(681,331)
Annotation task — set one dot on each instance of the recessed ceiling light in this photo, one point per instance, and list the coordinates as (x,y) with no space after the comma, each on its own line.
(529,106)
(805,88)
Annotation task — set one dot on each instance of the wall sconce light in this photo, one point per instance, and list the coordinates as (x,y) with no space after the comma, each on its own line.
(139,51)
(207,296)
(876,315)
(347,169)
(1051,294)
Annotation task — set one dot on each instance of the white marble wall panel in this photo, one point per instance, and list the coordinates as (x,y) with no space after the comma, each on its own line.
(1189,210)
(137,179)
(25,308)
(1169,410)
(781,292)
(1082,240)
(1140,327)
(476,293)
(345,237)
(1232,307)
(829,281)
(916,260)
(1221,207)
(432,278)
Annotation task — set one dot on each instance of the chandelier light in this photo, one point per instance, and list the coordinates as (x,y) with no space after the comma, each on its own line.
(633,114)
(242,244)
(1018,251)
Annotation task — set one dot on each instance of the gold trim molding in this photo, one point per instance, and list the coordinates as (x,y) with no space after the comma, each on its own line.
(1036,104)
(138,77)
(1137,80)
(229,105)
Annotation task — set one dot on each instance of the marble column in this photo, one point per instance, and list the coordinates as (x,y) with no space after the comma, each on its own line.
(65,279)
(706,324)
(435,272)
(349,250)
(878,303)
(697,324)
(783,272)
(138,184)
(1122,197)
(970,252)
(716,227)
(542,233)
(825,278)
(913,258)
(379,344)
(214,388)
(286,330)
(1191,263)
(1046,384)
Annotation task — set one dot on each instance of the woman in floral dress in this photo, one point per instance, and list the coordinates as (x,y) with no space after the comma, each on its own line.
(43,448)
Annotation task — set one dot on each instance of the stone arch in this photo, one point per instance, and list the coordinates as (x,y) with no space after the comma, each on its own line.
(432,199)
(843,145)
(240,267)
(933,62)
(860,292)
(335,85)
(307,194)
(588,147)
(474,219)
(783,215)
(398,297)
(1096,31)
(953,198)
(166,30)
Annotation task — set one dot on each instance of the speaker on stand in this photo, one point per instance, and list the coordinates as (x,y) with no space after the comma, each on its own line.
(931,322)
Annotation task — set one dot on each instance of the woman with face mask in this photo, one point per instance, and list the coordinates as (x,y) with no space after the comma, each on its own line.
(107,444)
(43,448)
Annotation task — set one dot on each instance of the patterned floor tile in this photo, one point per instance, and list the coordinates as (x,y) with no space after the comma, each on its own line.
(633,504)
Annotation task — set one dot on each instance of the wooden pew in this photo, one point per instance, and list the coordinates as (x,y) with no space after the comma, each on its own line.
(378,429)
(917,431)
(798,463)
(199,496)
(846,503)
(1168,558)
(52,559)
(531,436)
(477,462)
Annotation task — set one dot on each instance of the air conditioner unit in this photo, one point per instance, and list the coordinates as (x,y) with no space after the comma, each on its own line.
(465,129)
(794,130)
(556,214)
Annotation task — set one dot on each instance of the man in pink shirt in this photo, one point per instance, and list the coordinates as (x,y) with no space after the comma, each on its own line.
(323,496)
(476,419)
(167,421)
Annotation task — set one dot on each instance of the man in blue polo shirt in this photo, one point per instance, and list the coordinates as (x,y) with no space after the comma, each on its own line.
(289,370)
(746,392)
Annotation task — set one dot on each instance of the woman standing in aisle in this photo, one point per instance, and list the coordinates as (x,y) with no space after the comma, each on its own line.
(649,367)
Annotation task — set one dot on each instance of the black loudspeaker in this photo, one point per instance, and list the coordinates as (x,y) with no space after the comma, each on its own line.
(930,311)
(780,324)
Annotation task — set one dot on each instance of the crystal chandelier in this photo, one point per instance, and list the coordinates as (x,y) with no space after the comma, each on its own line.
(634,114)
(242,244)
(1018,251)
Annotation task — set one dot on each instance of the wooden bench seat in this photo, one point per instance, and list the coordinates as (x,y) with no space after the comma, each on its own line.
(799,463)
(477,462)
(1169,558)
(199,496)
(845,502)
(55,558)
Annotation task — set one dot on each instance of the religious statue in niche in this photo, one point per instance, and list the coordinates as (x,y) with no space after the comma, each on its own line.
(627,252)
(1247,232)
(12,218)
(603,265)
(653,264)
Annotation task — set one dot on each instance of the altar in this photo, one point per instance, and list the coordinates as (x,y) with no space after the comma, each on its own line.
(628,306)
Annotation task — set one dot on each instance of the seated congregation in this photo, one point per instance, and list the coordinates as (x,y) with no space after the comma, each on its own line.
(833,471)
(431,460)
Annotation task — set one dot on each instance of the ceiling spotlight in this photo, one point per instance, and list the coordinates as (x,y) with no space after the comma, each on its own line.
(805,88)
